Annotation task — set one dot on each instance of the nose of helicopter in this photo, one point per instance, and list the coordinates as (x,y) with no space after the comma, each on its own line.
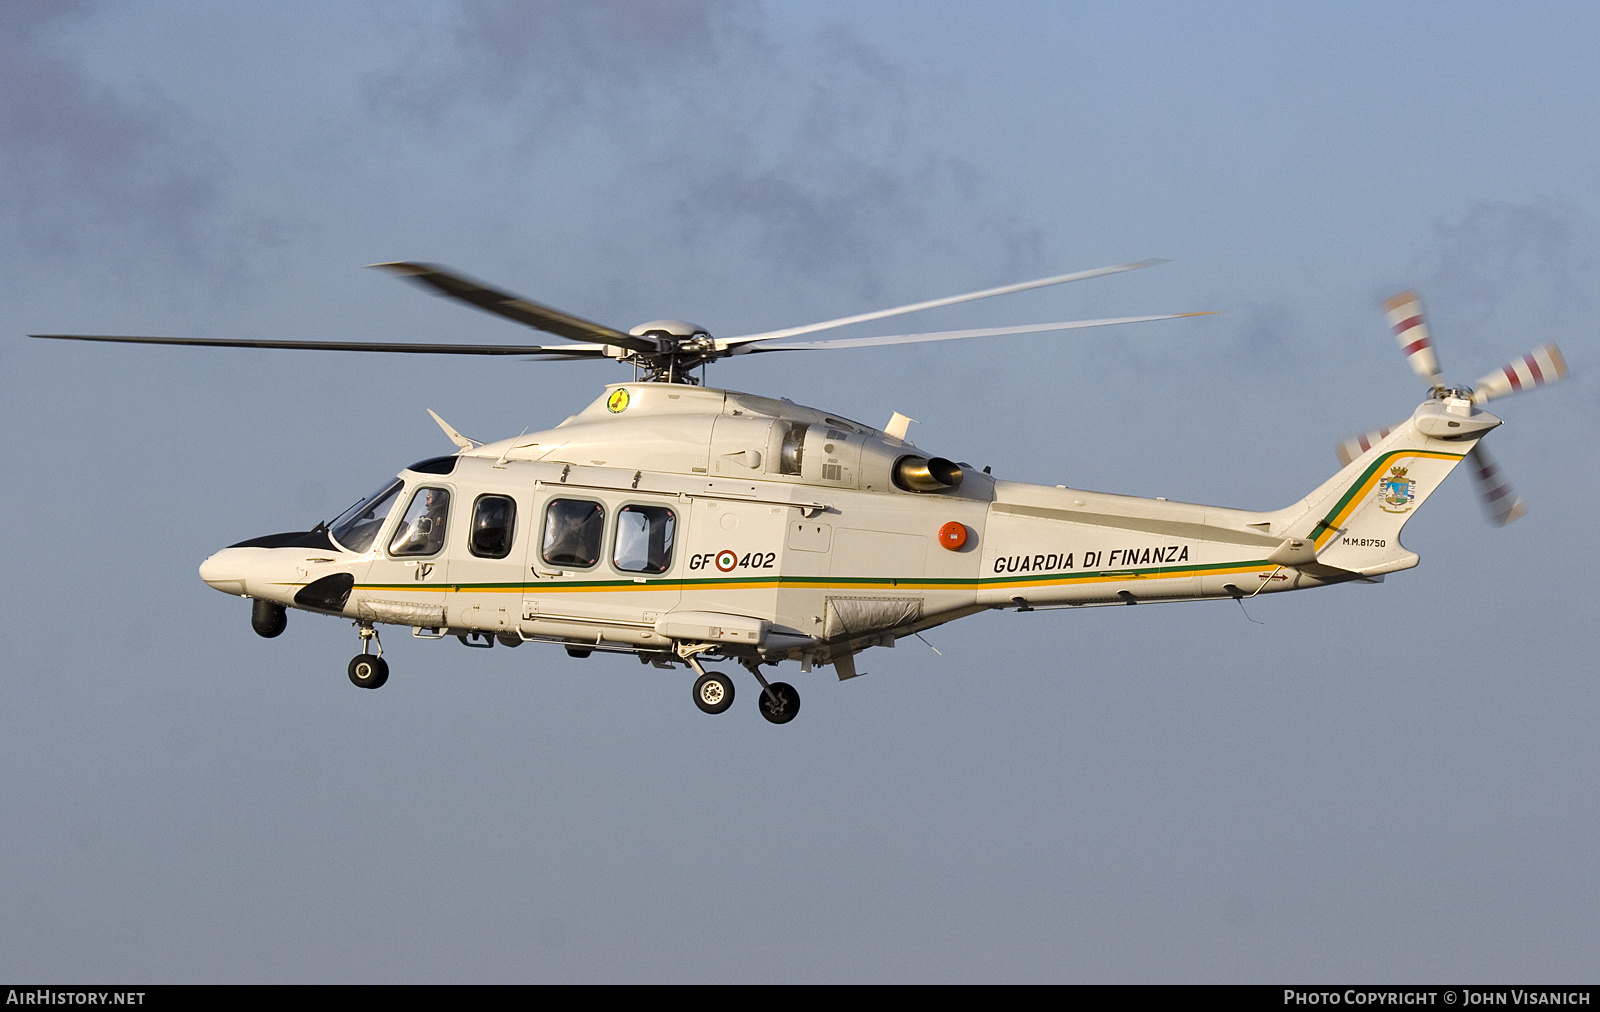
(226,570)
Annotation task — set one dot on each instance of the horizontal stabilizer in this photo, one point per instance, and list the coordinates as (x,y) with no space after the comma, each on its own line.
(1294,552)
(1333,574)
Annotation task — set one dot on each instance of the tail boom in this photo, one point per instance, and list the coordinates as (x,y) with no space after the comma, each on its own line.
(1058,547)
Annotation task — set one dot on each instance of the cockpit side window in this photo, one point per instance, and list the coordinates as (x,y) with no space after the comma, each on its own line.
(572,532)
(421,532)
(644,539)
(493,520)
(354,529)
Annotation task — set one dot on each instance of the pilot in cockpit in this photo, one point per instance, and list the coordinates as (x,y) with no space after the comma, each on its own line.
(423,530)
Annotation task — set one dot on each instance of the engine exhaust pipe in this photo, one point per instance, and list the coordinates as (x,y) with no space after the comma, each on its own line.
(920,474)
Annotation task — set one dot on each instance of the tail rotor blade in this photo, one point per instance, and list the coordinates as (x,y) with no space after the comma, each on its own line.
(1500,500)
(1538,367)
(1405,316)
(1351,447)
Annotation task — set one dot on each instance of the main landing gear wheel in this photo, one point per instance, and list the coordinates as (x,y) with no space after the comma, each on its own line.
(779,702)
(713,692)
(368,671)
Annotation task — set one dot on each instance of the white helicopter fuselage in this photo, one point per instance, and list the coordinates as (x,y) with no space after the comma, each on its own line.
(681,523)
(667,520)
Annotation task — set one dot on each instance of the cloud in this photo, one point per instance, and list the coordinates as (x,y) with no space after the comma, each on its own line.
(1496,248)
(548,57)
(79,161)
(801,154)
(844,180)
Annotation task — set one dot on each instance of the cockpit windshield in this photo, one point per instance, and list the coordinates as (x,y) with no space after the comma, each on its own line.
(354,529)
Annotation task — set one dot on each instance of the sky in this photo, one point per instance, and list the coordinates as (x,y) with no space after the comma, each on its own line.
(1361,783)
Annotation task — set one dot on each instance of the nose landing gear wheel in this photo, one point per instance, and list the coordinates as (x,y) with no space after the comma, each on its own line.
(368,671)
(713,693)
(779,702)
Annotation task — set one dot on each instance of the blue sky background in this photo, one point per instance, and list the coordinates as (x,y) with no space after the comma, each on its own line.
(1379,783)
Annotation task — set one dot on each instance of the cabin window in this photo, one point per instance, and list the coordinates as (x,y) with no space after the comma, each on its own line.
(435,465)
(493,520)
(572,532)
(644,539)
(355,528)
(421,532)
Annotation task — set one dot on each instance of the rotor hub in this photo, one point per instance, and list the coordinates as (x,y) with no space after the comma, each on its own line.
(669,328)
(681,347)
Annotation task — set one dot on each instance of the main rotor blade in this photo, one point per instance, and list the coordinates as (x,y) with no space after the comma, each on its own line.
(529,314)
(551,350)
(1537,368)
(950,335)
(1060,279)
(1501,502)
(1405,316)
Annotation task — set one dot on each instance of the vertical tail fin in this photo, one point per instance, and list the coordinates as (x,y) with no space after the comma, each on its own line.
(1354,518)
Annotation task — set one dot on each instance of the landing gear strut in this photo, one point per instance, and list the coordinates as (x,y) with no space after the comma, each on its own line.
(713,691)
(369,671)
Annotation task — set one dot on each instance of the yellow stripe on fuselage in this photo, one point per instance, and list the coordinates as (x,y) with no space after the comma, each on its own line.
(827,583)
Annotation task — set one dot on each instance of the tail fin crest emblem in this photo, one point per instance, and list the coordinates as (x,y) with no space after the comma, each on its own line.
(1396,492)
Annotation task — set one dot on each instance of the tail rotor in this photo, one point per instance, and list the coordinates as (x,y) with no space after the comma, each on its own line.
(1500,501)
(1351,447)
(1411,330)
(1540,367)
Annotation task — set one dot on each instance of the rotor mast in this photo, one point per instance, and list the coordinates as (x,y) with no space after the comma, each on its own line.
(681,348)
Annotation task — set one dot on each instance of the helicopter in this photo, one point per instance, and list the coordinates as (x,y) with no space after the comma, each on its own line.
(685,524)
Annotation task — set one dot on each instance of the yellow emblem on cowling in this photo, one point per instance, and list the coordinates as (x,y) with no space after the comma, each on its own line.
(618,401)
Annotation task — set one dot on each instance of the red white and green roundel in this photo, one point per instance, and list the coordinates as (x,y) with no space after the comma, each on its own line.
(726,560)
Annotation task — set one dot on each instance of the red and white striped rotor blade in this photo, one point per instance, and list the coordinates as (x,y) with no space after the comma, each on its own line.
(1351,447)
(1405,317)
(1542,365)
(1499,499)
